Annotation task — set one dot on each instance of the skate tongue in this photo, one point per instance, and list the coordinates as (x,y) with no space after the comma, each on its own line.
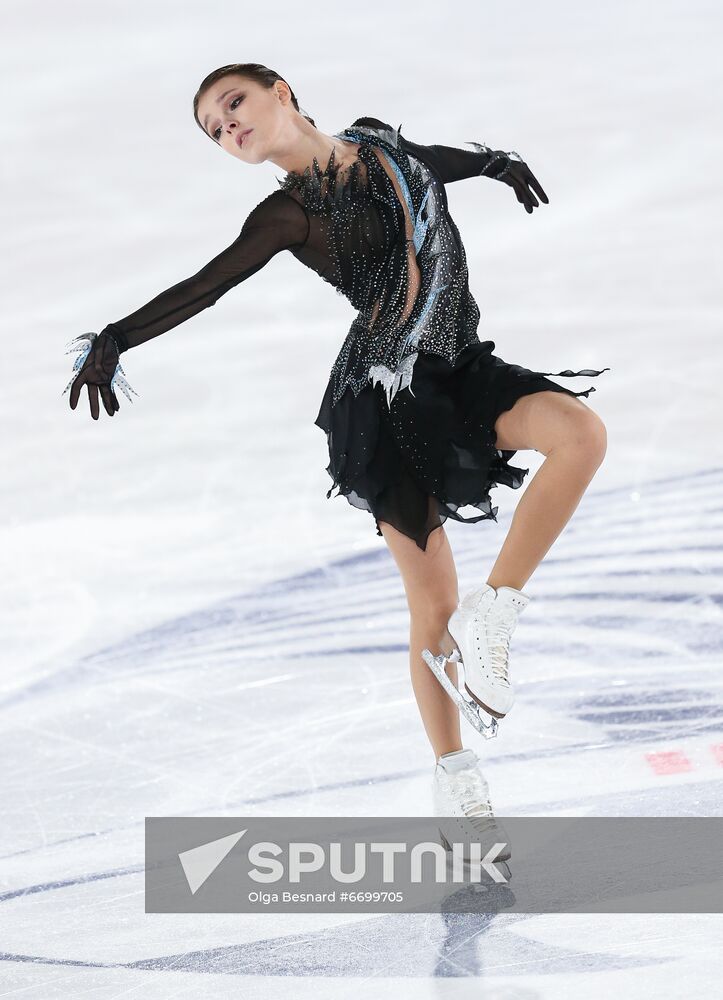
(457,760)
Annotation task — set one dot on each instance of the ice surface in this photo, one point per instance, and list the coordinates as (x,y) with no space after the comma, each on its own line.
(190,627)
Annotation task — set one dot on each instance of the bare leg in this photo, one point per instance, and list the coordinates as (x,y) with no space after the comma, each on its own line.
(574,440)
(430,583)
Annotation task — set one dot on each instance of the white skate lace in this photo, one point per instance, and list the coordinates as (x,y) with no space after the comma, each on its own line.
(471,791)
(498,626)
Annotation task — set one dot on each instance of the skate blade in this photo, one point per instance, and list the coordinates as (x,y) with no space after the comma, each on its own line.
(470,709)
(485,708)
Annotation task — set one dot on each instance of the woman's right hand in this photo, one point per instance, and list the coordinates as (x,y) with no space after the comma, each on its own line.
(97,367)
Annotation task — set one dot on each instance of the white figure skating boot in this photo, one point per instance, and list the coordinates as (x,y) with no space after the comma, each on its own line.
(482,627)
(462,801)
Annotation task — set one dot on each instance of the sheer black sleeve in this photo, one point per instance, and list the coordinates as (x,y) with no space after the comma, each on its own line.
(277,223)
(449,162)
(453,164)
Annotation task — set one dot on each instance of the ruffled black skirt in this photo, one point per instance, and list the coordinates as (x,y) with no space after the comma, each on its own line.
(435,451)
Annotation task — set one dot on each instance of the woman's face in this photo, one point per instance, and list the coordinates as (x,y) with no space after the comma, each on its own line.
(243,116)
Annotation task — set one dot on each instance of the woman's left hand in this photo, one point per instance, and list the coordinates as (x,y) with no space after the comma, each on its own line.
(524,183)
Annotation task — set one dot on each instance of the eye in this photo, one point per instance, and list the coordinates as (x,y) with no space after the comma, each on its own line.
(230,108)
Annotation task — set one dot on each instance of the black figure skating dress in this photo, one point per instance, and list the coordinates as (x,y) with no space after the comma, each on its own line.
(410,407)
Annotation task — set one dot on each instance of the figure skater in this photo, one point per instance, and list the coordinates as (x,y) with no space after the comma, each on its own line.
(421,418)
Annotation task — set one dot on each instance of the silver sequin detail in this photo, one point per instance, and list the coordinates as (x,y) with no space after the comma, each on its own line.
(497,157)
(83,343)
(444,315)
(394,381)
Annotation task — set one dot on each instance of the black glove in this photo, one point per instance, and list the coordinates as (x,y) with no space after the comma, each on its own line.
(512,169)
(98,367)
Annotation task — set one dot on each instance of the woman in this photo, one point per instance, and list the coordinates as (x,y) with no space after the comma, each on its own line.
(421,418)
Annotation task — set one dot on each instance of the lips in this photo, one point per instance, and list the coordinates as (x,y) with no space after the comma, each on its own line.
(242,136)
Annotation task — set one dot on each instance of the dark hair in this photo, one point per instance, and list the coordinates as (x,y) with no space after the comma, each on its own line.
(254,71)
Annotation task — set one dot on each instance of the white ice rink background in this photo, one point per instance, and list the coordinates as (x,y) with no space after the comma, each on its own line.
(189,627)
